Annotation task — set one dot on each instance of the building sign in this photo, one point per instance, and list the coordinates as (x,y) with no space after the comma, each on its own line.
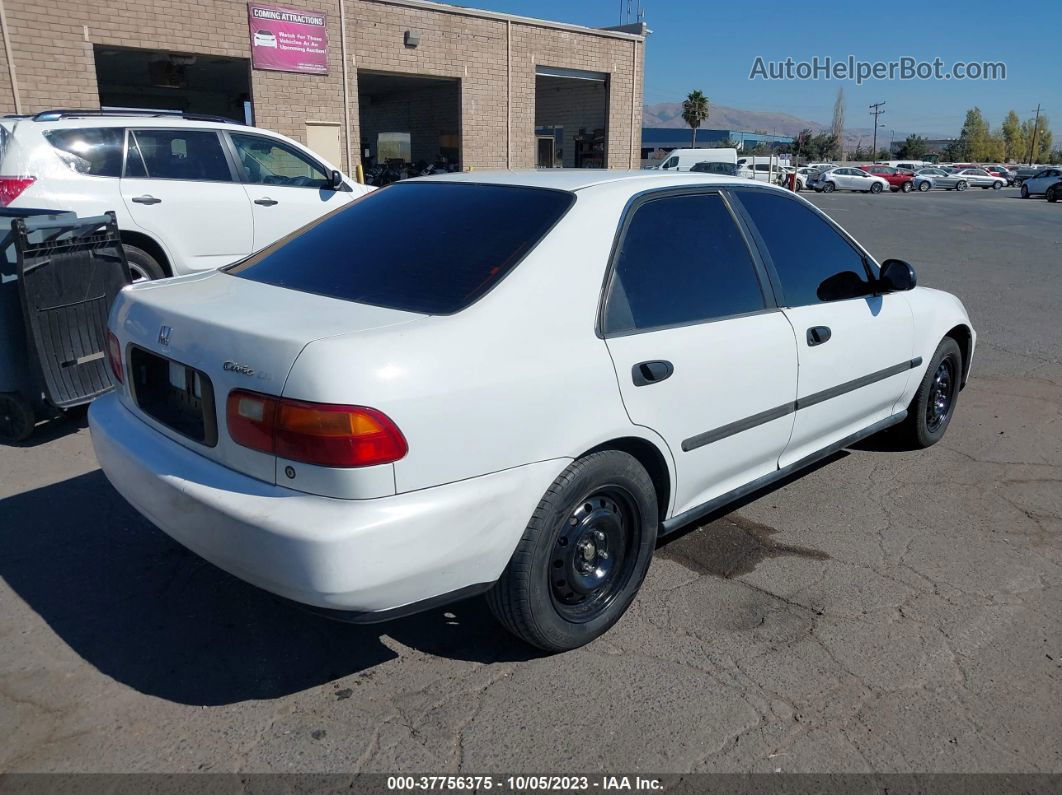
(288,39)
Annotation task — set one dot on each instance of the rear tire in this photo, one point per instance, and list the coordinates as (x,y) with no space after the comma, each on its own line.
(829,187)
(142,266)
(583,556)
(906,187)
(1025,191)
(17,418)
(961,186)
(933,405)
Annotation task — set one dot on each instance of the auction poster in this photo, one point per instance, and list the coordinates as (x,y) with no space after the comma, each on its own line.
(288,39)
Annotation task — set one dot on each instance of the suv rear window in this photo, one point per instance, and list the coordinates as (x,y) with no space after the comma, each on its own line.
(428,247)
(96,151)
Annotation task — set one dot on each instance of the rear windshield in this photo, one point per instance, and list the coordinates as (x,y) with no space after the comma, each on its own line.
(427,247)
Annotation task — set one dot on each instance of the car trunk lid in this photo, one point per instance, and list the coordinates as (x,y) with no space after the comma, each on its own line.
(188,342)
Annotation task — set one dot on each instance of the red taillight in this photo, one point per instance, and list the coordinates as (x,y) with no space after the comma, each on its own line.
(114,356)
(316,433)
(11,188)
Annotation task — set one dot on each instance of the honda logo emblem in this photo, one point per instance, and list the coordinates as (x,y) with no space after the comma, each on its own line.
(164,335)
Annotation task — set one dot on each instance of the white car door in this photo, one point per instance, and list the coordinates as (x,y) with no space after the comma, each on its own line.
(854,346)
(179,185)
(286,187)
(702,354)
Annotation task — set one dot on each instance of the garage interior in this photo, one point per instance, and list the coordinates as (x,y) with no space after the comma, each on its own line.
(156,80)
(412,118)
(571,117)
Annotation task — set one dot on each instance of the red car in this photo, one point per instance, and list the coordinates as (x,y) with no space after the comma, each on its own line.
(897,179)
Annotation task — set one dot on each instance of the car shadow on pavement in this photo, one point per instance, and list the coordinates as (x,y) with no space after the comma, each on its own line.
(159,619)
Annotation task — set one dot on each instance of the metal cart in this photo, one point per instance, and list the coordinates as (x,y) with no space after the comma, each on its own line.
(59,275)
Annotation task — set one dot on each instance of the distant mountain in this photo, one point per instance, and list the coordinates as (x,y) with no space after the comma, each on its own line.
(669,114)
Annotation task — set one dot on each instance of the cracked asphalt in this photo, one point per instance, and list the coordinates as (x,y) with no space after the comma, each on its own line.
(888,611)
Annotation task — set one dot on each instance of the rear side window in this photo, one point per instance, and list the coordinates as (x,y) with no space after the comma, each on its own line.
(682,260)
(96,151)
(814,262)
(177,154)
(429,247)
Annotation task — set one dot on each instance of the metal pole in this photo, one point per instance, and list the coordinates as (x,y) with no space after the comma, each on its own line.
(346,93)
(1032,143)
(10,60)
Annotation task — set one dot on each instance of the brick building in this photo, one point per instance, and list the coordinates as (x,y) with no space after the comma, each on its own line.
(415,79)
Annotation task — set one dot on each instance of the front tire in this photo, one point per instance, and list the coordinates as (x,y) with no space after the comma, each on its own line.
(923,187)
(1052,193)
(906,187)
(933,405)
(997,185)
(583,555)
(875,188)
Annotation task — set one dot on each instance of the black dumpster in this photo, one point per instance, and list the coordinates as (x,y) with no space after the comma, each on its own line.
(59,275)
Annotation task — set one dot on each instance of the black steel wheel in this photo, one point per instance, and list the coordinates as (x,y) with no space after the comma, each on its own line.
(594,554)
(583,555)
(17,419)
(933,406)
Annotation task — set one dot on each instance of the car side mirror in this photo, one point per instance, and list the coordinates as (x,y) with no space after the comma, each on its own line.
(337,180)
(897,276)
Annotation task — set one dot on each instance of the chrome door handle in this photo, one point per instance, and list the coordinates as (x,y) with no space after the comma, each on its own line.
(266,201)
(147,199)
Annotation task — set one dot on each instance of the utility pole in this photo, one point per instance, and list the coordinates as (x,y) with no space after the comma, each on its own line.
(875,111)
(1032,143)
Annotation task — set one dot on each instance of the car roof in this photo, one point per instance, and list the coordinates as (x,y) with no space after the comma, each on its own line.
(573,179)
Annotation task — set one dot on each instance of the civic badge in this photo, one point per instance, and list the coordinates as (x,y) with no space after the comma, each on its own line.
(164,335)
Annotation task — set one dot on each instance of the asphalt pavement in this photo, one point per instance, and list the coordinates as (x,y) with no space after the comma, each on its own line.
(887,611)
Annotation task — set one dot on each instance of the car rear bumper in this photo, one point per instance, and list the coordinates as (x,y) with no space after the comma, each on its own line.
(360,556)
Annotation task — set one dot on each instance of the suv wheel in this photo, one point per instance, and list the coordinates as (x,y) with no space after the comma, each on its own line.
(1024,191)
(933,405)
(142,266)
(583,555)
(1052,193)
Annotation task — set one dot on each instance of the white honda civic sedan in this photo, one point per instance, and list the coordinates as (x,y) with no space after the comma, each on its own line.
(511,383)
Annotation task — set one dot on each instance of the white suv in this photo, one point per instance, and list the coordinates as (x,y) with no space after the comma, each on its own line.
(191,193)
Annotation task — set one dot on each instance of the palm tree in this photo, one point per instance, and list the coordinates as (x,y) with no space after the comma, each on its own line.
(694,111)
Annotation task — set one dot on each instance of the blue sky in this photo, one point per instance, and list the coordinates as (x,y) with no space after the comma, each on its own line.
(712,45)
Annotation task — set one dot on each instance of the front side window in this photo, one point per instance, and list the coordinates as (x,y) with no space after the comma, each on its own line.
(266,161)
(682,260)
(96,151)
(177,154)
(428,247)
(671,162)
(814,262)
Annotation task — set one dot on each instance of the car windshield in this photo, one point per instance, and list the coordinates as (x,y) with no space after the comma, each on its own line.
(428,247)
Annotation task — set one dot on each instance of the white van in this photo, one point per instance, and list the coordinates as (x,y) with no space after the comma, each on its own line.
(686,159)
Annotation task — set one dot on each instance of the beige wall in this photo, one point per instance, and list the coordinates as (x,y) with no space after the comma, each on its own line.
(495,60)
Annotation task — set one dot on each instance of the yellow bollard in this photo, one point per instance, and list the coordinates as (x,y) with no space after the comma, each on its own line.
(359,173)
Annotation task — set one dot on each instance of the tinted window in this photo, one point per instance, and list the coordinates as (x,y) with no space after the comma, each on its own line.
(431,247)
(682,260)
(805,250)
(96,150)
(180,154)
(267,161)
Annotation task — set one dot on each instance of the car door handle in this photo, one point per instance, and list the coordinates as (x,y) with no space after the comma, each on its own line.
(266,201)
(147,199)
(818,335)
(645,373)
